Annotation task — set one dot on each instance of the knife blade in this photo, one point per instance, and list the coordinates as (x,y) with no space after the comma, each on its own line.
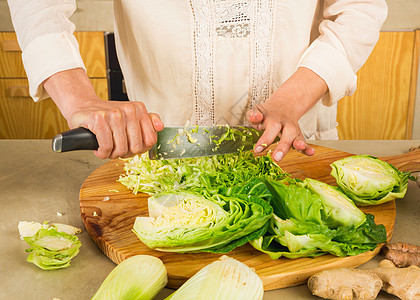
(185,142)
(173,142)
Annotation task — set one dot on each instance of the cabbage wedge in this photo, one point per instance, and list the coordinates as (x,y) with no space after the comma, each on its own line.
(226,279)
(140,277)
(187,222)
(368,180)
(313,221)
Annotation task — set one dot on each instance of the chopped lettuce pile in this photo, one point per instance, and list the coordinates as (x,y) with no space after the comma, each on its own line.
(51,246)
(202,175)
(368,180)
(217,203)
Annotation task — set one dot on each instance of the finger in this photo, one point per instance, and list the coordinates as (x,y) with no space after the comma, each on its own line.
(134,134)
(309,151)
(101,129)
(156,121)
(301,146)
(272,130)
(147,129)
(288,135)
(255,116)
(118,126)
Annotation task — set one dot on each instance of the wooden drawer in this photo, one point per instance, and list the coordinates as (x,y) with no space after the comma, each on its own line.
(22,118)
(91,46)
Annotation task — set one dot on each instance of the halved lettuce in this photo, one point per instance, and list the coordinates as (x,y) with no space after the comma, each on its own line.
(368,180)
(306,224)
(187,222)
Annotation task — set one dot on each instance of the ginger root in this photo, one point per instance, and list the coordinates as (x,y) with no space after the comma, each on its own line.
(366,284)
(345,284)
(401,282)
(402,254)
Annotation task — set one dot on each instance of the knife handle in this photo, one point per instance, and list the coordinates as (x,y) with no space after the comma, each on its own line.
(75,139)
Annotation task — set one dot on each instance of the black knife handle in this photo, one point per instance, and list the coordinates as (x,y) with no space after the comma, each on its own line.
(75,139)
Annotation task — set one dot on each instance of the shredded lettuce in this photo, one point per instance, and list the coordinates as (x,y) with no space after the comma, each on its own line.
(202,175)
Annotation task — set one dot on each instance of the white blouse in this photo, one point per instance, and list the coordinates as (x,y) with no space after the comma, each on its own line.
(209,61)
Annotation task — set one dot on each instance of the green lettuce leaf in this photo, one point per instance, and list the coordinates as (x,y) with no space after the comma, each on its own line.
(306,224)
(51,249)
(368,180)
(187,222)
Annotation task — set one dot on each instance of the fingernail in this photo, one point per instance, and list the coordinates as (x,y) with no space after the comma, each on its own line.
(259,149)
(278,156)
(300,144)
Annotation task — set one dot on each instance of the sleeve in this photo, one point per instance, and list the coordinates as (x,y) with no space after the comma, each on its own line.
(348,33)
(45,35)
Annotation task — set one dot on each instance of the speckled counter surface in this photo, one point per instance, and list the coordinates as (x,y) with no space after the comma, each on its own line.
(36,183)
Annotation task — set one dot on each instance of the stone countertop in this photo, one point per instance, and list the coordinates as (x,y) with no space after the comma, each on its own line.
(36,184)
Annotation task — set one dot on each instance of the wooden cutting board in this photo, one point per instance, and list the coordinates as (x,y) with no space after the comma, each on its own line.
(109,210)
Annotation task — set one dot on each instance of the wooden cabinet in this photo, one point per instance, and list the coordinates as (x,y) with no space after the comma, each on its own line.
(382,108)
(20,116)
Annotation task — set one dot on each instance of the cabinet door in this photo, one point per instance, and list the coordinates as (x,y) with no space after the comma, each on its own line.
(22,118)
(91,47)
(11,65)
(382,108)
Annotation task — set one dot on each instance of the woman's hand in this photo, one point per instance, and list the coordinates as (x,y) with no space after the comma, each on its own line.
(279,115)
(122,128)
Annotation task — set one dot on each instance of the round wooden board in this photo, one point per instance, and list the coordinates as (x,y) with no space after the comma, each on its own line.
(110,222)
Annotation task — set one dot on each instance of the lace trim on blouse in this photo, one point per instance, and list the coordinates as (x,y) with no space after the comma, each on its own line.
(250,19)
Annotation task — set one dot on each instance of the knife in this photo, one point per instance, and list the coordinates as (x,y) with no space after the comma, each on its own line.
(173,142)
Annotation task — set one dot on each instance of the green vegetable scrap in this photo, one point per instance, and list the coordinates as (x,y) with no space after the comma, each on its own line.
(308,222)
(226,279)
(186,222)
(368,180)
(201,175)
(140,277)
(50,248)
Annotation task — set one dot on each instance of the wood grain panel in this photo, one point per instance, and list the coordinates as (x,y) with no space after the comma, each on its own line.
(11,65)
(91,47)
(413,86)
(22,118)
(109,223)
(92,50)
(379,107)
